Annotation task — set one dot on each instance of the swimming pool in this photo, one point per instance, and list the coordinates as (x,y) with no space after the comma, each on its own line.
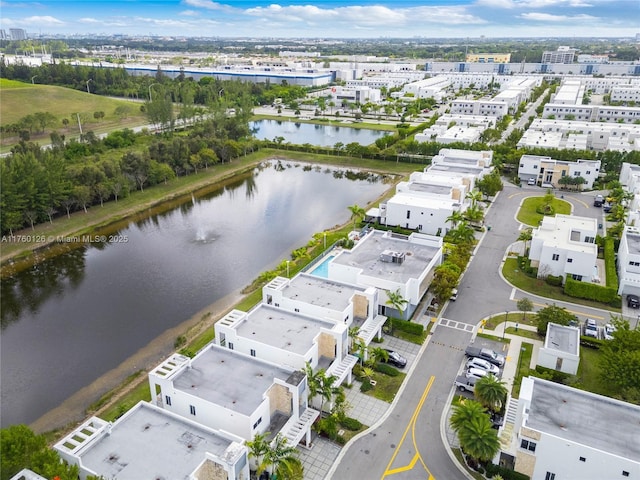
(322,270)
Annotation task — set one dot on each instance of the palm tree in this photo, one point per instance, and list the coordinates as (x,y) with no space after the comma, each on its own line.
(377,354)
(479,439)
(258,447)
(491,392)
(455,218)
(474,213)
(463,233)
(313,380)
(525,236)
(280,457)
(398,302)
(475,196)
(327,388)
(463,413)
(357,213)
(354,336)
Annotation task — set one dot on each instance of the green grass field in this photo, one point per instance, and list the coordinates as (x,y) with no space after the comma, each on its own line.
(527,213)
(21,99)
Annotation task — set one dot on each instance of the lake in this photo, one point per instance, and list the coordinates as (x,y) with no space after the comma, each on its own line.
(68,320)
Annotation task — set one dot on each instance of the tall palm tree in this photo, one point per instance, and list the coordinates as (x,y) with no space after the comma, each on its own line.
(463,233)
(525,236)
(455,218)
(464,412)
(313,380)
(327,389)
(491,392)
(357,214)
(354,336)
(398,302)
(479,439)
(474,213)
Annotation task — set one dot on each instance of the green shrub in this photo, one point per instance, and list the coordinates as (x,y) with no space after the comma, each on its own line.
(386,369)
(180,341)
(551,374)
(590,291)
(409,327)
(351,424)
(357,370)
(340,440)
(610,263)
(506,473)
(590,342)
(366,385)
(554,280)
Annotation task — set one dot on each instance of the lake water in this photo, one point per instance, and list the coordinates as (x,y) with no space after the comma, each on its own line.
(319,135)
(70,319)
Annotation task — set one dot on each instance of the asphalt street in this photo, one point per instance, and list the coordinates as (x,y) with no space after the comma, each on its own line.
(407,444)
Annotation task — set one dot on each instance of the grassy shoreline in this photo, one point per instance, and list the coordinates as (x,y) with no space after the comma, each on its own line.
(64,232)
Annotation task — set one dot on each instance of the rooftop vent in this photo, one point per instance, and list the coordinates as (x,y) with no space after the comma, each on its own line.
(390,256)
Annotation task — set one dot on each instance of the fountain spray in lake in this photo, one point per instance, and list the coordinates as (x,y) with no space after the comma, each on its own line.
(202,234)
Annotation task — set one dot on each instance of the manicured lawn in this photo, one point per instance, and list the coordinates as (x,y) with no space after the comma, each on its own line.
(141,392)
(528,215)
(386,387)
(525,333)
(528,319)
(523,367)
(516,277)
(588,377)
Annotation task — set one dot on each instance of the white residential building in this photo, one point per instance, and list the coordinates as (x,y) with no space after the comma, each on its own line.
(591,113)
(237,393)
(561,55)
(629,261)
(494,108)
(149,442)
(547,171)
(357,94)
(561,349)
(564,246)
(440,129)
(566,433)
(434,87)
(390,262)
(600,136)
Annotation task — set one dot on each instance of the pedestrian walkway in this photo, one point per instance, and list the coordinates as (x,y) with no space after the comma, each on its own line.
(318,459)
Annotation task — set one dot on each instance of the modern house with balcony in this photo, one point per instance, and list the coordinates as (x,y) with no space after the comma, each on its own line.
(564,246)
(236,393)
(390,263)
(549,172)
(149,442)
(566,433)
(629,261)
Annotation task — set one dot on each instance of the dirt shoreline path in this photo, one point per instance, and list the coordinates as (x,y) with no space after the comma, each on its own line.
(72,410)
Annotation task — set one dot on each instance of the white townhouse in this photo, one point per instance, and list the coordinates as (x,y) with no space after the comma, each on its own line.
(561,349)
(630,180)
(338,302)
(288,338)
(493,108)
(563,433)
(390,262)
(547,171)
(236,393)
(629,261)
(564,246)
(149,442)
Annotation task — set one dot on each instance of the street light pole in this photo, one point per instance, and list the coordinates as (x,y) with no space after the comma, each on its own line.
(90,80)
(287,268)
(150,90)
(325,240)
(33,78)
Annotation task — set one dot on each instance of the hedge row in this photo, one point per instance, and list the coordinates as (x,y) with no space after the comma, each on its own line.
(590,291)
(506,473)
(610,263)
(386,369)
(409,327)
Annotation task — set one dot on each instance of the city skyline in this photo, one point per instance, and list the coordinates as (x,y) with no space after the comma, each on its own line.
(326,19)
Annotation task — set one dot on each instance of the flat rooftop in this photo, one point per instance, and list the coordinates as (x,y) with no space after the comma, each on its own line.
(321,292)
(228,379)
(281,329)
(633,240)
(562,338)
(366,255)
(432,188)
(151,443)
(435,203)
(559,231)
(585,418)
(458,169)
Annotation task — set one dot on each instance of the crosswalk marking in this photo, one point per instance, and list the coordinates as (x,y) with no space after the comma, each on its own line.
(457,325)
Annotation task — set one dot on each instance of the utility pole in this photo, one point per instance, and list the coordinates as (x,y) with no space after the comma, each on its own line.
(90,80)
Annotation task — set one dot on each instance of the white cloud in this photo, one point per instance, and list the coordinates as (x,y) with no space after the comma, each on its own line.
(364,16)
(547,17)
(88,20)
(45,20)
(510,4)
(189,13)
(208,4)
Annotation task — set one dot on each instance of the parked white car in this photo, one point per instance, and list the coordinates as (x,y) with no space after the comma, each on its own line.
(476,373)
(608,331)
(483,365)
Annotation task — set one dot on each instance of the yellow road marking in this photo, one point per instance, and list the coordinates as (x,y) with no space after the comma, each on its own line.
(411,425)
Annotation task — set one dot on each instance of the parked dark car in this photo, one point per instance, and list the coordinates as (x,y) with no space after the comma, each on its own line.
(497,420)
(598,200)
(633,301)
(396,359)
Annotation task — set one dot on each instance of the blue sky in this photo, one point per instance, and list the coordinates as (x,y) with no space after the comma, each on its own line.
(331,18)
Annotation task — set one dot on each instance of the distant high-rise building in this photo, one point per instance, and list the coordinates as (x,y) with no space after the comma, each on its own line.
(562,55)
(3,34)
(18,33)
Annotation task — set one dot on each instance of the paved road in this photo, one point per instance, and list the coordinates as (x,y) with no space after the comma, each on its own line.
(408,443)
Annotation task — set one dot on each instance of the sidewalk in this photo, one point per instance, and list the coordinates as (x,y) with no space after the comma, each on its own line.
(513,355)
